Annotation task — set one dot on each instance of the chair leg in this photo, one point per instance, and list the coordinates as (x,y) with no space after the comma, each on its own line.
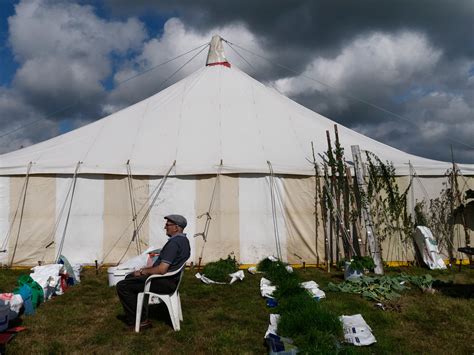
(176,310)
(138,316)
(172,312)
(180,311)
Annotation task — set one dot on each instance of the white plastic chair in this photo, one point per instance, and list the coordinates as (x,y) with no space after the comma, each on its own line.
(172,302)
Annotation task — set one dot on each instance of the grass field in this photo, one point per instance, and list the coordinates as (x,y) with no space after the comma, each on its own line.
(233,319)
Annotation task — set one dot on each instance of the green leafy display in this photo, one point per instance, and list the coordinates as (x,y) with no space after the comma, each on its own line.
(309,323)
(362,263)
(219,270)
(382,288)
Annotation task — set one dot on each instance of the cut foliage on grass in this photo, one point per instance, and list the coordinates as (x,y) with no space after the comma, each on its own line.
(313,327)
(382,288)
(230,320)
(219,270)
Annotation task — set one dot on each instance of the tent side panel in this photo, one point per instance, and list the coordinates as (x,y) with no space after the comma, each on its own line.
(465,183)
(4,217)
(426,188)
(395,247)
(299,193)
(83,238)
(34,233)
(223,235)
(178,196)
(257,233)
(118,223)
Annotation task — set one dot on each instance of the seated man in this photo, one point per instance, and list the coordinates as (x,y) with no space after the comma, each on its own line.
(172,256)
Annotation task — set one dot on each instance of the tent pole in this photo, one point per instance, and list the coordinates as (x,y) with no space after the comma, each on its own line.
(461,206)
(136,233)
(275,222)
(27,178)
(157,193)
(208,215)
(60,249)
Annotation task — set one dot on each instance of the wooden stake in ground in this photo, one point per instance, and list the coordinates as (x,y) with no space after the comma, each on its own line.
(333,191)
(316,192)
(460,208)
(358,243)
(371,237)
(344,193)
(326,224)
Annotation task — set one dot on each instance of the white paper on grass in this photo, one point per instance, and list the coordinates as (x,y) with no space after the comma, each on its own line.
(238,275)
(77,268)
(313,288)
(266,288)
(253,270)
(207,280)
(273,326)
(356,330)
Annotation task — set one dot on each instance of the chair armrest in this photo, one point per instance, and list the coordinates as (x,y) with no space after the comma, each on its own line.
(171,273)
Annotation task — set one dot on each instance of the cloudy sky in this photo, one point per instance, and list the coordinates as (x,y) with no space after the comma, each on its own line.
(399,71)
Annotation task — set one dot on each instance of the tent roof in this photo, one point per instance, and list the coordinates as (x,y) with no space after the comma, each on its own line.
(216,115)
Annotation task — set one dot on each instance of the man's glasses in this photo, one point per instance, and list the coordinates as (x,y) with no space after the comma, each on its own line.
(170,224)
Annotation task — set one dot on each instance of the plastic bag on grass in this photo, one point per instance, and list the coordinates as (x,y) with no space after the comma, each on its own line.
(238,275)
(313,289)
(356,330)
(266,288)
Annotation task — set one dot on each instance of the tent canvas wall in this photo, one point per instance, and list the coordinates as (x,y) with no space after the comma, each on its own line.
(225,139)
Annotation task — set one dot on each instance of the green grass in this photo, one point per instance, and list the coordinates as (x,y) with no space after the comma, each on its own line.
(232,319)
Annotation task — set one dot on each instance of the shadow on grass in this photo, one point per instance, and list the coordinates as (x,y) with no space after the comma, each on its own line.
(452,289)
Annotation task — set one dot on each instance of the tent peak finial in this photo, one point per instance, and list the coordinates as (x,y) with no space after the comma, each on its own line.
(216,55)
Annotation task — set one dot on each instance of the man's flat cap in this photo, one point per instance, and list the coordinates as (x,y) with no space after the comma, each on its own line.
(178,220)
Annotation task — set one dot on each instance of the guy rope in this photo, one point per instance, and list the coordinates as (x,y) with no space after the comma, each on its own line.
(207,224)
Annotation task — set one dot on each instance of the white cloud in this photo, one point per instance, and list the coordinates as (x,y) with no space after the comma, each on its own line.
(381,59)
(63,51)
(176,39)
(64,48)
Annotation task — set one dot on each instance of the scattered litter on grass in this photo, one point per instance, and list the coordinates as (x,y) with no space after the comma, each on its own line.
(382,288)
(273,326)
(356,330)
(277,344)
(271,302)
(219,271)
(253,270)
(42,284)
(266,288)
(313,289)
(207,280)
(238,275)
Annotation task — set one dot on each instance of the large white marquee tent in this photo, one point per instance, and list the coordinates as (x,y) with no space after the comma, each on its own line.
(213,144)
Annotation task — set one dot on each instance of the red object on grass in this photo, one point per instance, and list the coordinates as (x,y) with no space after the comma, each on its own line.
(64,278)
(15,329)
(6,337)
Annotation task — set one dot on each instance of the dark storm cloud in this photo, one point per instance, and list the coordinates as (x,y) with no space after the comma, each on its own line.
(324,26)
(413,58)
(430,53)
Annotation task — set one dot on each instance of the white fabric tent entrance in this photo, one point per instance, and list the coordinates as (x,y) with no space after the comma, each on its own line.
(216,124)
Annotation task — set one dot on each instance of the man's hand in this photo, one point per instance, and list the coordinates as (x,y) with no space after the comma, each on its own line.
(161,269)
